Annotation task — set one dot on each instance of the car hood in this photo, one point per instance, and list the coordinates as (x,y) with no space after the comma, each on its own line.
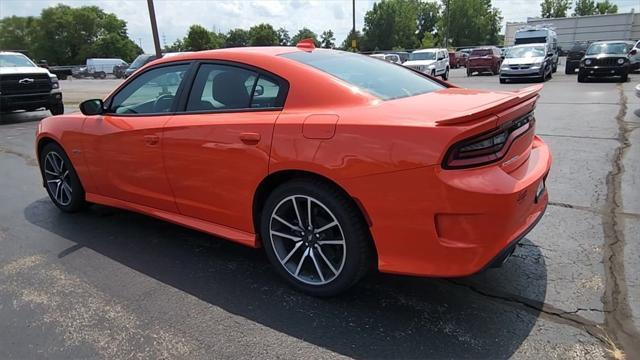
(22,70)
(523,61)
(418,62)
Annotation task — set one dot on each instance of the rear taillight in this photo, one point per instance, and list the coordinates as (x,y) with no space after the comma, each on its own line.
(488,147)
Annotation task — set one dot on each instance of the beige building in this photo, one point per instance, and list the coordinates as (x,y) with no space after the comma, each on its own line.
(578,28)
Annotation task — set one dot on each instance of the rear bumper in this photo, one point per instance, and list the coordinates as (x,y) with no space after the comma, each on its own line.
(451,223)
(30,101)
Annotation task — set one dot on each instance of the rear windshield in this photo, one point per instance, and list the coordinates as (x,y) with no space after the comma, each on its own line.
(380,78)
(483,52)
(526,52)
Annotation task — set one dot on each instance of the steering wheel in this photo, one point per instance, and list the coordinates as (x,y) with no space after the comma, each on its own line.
(159,101)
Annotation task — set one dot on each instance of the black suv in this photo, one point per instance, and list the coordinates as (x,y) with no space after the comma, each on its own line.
(25,86)
(606,59)
(575,55)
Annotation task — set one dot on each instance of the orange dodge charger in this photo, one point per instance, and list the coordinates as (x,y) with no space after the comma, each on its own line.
(336,163)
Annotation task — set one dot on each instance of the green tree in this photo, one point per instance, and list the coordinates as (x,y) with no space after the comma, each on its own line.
(16,33)
(198,38)
(554,8)
(428,17)
(305,33)
(606,7)
(584,8)
(469,22)
(283,37)
(65,35)
(177,46)
(347,44)
(392,24)
(263,35)
(327,40)
(237,38)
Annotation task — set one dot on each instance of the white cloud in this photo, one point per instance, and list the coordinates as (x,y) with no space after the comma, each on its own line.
(175,16)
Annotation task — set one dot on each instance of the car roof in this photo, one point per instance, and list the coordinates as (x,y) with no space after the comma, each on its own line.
(11,53)
(428,50)
(527,45)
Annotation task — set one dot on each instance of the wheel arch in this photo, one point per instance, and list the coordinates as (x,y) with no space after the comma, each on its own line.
(273,180)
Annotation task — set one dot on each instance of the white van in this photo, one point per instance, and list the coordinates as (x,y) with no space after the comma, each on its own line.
(434,62)
(100,68)
(538,35)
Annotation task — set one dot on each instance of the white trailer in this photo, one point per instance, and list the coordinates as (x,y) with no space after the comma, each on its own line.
(100,68)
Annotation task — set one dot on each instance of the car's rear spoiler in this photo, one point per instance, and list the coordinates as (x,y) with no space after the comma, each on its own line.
(519,96)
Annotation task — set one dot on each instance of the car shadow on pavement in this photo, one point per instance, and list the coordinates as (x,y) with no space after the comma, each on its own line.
(382,317)
(7,118)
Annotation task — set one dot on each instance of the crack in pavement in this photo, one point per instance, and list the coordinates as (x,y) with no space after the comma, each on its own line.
(30,160)
(590,209)
(570,318)
(618,321)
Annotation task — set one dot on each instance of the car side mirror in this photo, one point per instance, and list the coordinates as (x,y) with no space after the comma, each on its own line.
(633,52)
(259,90)
(92,107)
(502,57)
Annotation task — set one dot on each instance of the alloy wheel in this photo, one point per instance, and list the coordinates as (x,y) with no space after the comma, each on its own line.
(307,239)
(56,175)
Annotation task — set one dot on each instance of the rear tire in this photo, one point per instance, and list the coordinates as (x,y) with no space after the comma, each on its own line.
(60,179)
(503,81)
(297,245)
(445,76)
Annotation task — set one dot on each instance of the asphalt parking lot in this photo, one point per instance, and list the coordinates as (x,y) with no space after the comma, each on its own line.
(107,283)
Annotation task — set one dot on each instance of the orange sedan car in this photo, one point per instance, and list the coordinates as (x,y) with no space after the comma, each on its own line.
(335,163)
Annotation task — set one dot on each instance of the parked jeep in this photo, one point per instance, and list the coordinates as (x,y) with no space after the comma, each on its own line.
(26,86)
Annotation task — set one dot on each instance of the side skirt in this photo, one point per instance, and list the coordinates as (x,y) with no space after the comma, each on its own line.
(235,235)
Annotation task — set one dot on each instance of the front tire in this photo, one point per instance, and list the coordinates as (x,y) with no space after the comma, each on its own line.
(315,237)
(57,109)
(569,69)
(60,179)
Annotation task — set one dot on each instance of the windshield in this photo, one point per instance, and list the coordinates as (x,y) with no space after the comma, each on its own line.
(380,78)
(15,60)
(431,55)
(608,48)
(141,60)
(526,52)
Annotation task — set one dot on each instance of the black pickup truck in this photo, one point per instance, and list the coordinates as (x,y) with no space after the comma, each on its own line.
(25,86)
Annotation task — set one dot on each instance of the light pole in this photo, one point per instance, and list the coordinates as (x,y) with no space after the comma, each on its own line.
(354,45)
(154,29)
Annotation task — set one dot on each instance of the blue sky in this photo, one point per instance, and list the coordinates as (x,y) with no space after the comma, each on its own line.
(175,16)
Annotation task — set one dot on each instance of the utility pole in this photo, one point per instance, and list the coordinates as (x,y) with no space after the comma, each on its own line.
(154,29)
(354,45)
(446,29)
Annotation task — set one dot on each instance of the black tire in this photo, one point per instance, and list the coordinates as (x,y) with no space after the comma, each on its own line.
(71,201)
(57,109)
(469,72)
(433,73)
(624,77)
(581,77)
(102,75)
(445,76)
(569,69)
(554,68)
(503,81)
(357,256)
